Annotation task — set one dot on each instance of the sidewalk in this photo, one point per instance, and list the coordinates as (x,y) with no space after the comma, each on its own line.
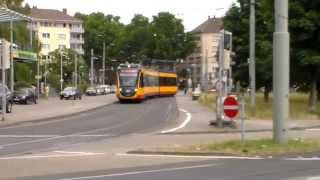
(201,116)
(54,107)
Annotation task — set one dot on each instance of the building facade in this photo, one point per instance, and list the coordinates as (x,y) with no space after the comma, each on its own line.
(56,29)
(203,63)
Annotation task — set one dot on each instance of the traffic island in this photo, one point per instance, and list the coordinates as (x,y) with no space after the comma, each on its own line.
(250,148)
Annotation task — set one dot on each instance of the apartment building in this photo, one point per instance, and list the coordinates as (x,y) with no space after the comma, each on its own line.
(56,29)
(203,63)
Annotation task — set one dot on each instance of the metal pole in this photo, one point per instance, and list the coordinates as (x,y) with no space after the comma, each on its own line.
(11,57)
(91,71)
(206,71)
(61,72)
(252,65)
(242,116)
(76,70)
(281,67)
(230,68)
(3,70)
(38,77)
(220,88)
(45,71)
(104,64)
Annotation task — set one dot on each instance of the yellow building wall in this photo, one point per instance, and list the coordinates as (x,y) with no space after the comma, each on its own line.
(55,39)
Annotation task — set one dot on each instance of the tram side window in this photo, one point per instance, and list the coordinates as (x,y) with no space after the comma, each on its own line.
(165,81)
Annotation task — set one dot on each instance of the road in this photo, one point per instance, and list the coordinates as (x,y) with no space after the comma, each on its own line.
(271,169)
(112,121)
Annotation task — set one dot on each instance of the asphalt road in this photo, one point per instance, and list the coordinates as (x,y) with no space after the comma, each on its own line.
(270,169)
(112,121)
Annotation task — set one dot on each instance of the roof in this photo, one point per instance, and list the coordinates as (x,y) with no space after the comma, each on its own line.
(212,25)
(6,15)
(52,15)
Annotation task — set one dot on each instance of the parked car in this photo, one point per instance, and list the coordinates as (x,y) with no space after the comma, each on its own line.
(100,91)
(113,89)
(71,93)
(25,96)
(107,88)
(9,99)
(91,91)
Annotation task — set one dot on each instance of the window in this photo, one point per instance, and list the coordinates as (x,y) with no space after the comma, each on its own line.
(62,36)
(45,46)
(168,81)
(46,35)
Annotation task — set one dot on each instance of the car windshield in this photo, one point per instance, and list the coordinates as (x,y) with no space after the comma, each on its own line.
(69,89)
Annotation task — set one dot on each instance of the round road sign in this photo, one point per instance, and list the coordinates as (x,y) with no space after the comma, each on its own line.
(231,107)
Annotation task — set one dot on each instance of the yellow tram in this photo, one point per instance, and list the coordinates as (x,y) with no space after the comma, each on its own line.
(137,83)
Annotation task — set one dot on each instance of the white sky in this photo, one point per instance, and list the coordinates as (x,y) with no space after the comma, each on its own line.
(193,12)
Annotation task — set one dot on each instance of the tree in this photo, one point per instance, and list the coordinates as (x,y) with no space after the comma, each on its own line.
(237,21)
(305,37)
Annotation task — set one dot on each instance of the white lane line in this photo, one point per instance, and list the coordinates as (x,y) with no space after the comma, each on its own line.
(49,156)
(313,178)
(27,136)
(77,152)
(185,122)
(313,129)
(303,159)
(142,172)
(182,156)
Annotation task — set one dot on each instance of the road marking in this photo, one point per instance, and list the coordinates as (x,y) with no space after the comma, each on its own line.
(303,159)
(142,172)
(313,129)
(64,136)
(27,136)
(185,122)
(182,156)
(313,178)
(77,152)
(51,156)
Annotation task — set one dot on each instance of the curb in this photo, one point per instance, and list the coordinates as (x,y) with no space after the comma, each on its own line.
(182,153)
(238,131)
(56,117)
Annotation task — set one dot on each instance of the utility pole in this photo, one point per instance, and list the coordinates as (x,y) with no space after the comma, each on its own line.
(3,72)
(220,86)
(11,57)
(104,64)
(252,66)
(75,70)
(45,71)
(61,72)
(281,65)
(91,69)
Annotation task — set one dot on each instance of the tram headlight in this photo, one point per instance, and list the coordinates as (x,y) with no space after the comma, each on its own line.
(136,89)
(120,89)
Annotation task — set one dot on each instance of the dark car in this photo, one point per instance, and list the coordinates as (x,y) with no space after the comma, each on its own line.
(25,96)
(4,91)
(91,91)
(71,93)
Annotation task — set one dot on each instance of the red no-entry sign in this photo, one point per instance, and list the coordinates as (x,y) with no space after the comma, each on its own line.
(231,107)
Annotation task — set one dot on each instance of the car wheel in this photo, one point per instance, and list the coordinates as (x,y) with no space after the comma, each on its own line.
(61,97)
(9,107)
(80,97)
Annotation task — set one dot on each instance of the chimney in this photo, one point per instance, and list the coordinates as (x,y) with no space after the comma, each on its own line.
(64,10)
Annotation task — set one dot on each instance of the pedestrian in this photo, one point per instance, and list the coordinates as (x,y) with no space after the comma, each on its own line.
(185,87)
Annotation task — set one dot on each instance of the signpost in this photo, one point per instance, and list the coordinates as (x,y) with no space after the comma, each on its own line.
(231,108)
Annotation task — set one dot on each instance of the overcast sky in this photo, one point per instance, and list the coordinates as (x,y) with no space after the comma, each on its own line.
(193,12)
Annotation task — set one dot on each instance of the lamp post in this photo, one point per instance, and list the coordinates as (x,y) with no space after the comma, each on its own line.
(252,66)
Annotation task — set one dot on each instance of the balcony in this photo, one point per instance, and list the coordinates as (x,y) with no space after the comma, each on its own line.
(77,41)
(76,30)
